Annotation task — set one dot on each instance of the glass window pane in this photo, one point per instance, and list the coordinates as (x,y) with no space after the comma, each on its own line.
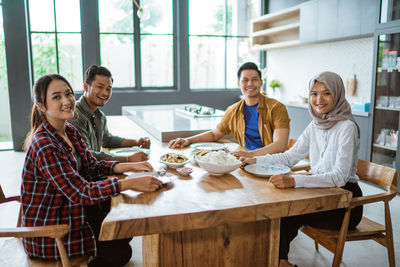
(160,17)
(39,21)
(5,125)
(157,60)
(239,48)
(117,54)
(116,16)
(43,54)
(207,17)
(68,16)
(207,62)
(70,58)
(237,23)
(254,8)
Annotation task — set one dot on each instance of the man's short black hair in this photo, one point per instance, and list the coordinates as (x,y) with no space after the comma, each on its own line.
(92,71)
(248,66)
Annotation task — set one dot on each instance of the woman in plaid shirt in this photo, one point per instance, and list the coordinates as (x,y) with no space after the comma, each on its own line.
(62,184)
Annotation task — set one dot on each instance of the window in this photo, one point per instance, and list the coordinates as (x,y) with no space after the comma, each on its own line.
(153,41)
(218,28)
(55,30)
(5,126)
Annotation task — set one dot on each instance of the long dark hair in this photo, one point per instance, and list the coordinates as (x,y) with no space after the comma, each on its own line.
(40,96)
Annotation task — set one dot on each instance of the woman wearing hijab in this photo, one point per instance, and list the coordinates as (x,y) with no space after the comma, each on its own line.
(332,142)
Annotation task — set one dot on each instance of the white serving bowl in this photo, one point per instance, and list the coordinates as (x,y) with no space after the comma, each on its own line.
(174,165)
(218,170)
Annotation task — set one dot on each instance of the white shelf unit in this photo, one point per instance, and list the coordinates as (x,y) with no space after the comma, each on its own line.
(279,29)
(385,147)
(387,108)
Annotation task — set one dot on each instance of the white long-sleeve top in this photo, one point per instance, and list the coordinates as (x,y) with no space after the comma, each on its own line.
(333,155)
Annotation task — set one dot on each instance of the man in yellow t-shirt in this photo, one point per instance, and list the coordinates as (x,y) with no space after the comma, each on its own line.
(259,124)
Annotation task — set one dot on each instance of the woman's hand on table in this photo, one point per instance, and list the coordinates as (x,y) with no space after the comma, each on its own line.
(246,161)
(141,184)
(138,166)
(178,143)
(143,142)
(282,181)
(137,157)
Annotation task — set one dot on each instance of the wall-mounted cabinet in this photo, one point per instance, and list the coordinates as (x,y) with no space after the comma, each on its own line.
(278,29)
(315,21)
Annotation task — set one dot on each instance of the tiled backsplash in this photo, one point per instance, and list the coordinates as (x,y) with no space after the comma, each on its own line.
(295,66)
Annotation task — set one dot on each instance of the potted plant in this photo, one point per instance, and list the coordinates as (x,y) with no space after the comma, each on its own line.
(274,84)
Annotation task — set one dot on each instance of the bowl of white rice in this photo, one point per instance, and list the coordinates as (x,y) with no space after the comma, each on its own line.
(218,162)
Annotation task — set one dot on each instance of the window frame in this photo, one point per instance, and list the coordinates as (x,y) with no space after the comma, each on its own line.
(226,37)
(137,52)
(55,32)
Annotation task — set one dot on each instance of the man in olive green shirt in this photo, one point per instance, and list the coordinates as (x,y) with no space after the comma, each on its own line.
(92,122)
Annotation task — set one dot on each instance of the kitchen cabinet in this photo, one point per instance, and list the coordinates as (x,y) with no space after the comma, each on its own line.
(315,21)
(369,15)
(390,11)
(386,97)
(327,19)
(308,22)
(384,126)
(349,18)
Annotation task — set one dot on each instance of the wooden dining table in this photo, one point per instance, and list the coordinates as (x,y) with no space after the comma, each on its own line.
(205,220)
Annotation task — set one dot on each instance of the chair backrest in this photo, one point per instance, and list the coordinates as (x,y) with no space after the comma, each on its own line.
(382,176)
(4,199)
(291,142)
(2,196)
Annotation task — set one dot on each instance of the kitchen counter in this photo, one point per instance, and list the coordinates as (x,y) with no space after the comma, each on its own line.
(166,122)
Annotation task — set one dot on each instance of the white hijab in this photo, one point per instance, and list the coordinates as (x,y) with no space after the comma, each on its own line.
(341,109)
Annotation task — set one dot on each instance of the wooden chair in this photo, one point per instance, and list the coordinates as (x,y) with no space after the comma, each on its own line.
(334,240)
(53,231)
(302,165)
(291,142)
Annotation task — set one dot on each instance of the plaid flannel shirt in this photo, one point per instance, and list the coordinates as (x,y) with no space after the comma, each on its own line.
(54,192)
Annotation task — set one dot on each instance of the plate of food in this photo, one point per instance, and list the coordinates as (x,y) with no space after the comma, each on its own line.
(174,160)
(267,170)
(207,146)
(127,151)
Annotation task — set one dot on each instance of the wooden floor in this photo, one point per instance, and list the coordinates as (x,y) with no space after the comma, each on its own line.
(303,253)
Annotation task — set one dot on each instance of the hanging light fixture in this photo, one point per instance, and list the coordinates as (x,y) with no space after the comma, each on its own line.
(142,12)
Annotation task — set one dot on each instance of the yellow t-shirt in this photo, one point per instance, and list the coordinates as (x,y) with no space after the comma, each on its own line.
(272,115)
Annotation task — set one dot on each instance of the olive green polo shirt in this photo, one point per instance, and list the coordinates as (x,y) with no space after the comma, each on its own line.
(93,128)
(272,115)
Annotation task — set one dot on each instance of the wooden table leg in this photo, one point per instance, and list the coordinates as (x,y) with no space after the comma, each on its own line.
(245,244)
(273,242)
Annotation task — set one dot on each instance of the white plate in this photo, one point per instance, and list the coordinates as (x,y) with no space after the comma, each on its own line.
(127,151)
(267,170)
(207,146)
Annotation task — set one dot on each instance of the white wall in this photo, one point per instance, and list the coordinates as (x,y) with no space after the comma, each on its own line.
(295,66)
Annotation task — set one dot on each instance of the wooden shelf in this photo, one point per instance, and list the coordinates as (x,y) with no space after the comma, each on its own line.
(279,29)
(276,30)
(385,147)
(276,45)
(387,108)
